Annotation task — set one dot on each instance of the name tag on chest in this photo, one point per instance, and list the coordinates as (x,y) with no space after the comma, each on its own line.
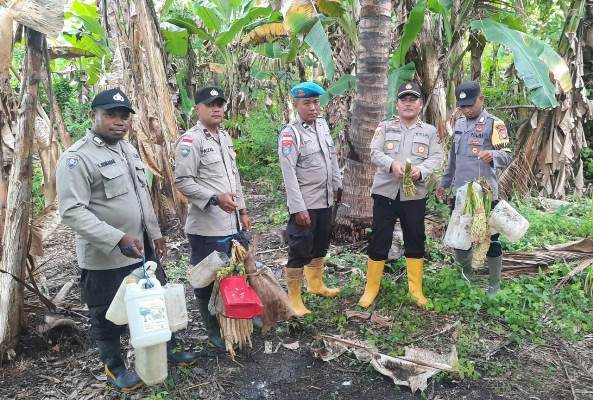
(106,163)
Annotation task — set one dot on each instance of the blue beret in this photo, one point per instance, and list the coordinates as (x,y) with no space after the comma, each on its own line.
(306,89)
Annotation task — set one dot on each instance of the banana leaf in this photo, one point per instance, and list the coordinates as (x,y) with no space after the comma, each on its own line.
(317,39)
(533,71)
(345,84)
(396,77)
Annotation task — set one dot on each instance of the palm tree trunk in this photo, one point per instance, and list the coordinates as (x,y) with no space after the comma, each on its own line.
(368,110)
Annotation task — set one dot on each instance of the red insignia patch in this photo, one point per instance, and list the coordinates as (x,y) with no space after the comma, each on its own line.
(286,143)
(186,141)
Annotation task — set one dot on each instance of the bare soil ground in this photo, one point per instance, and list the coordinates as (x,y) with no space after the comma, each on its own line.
(63,363)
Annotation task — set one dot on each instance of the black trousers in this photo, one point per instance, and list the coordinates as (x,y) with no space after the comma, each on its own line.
(98,288)
(495,249)
(308,242)
(385,214)
(201,247)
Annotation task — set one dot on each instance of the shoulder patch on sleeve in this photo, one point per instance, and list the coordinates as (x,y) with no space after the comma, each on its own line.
(185,151)
(72,161)
(186,141)
(500,135)
(286,141)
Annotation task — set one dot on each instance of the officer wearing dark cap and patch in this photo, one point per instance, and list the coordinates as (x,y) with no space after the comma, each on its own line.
(103,196)
(480,147)
(206,173)
(395,141)
(312,180)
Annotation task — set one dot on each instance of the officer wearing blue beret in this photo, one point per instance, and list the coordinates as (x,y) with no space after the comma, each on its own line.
(312,180)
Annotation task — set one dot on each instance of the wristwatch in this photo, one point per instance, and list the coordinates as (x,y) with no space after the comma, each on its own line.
(213,201)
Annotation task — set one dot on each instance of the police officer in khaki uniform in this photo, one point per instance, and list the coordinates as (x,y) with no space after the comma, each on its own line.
(395,141)
(480,147)
(312,178)
(206,173)
(103,196)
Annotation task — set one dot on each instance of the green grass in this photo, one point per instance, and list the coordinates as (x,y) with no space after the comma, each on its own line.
(528,309)
(560,226)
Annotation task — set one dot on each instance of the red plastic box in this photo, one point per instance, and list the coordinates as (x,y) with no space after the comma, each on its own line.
(240,301)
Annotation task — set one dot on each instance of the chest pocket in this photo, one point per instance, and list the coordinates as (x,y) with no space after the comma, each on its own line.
(392,142)
(140,175)
(114,181)
(473,146)
(309,155)
(211,166)
(420,145)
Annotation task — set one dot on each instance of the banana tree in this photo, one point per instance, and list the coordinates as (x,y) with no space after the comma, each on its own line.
(551,141)
(219,25)
(305,28)
(533,58)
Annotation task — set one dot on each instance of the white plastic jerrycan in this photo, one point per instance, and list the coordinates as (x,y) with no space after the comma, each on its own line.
(176,306)
(117,312)
(147,313)
(151,363)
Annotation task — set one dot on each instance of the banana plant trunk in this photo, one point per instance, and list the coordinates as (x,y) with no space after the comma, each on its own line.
(369,109)
(16,238)
(139,66)
(551,141)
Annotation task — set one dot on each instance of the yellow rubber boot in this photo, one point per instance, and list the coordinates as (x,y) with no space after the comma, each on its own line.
(314,275)
(374,275)
(415,271)
(294,281)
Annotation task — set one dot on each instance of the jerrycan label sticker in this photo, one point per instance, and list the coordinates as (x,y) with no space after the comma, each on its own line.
(154,315)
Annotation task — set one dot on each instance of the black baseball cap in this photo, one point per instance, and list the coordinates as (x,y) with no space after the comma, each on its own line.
(467,93)
(112,98)
(409,87)
(208,94)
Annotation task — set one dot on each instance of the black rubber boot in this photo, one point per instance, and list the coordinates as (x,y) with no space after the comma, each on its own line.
(124,379)
(464,258)
(180,358)
(211,324)
(494,273)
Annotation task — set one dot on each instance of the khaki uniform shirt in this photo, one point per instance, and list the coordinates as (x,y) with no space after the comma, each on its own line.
(102,195)
(205,166)
(486,132)
(309,165)
(394,141)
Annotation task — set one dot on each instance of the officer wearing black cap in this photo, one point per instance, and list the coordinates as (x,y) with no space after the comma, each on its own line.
(206,173)
(103,196)
(396,141)
(480,147)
